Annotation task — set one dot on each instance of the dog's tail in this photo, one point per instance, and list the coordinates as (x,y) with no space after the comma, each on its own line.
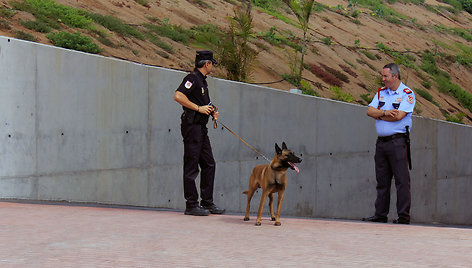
(245,192)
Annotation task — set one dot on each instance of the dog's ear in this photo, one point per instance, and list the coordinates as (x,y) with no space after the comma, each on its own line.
(277,149)
(284,146)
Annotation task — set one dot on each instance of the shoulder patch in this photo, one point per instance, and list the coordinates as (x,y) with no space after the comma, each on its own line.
(188,85)
(410,99)
(407,91)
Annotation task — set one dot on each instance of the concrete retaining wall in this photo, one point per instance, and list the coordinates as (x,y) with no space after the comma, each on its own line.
(86,128)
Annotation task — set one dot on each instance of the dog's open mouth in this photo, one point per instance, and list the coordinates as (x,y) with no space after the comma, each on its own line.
(294,167)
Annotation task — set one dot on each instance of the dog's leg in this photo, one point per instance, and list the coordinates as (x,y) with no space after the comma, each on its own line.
(279,208)
(271,207)
(261,206)
(250,193)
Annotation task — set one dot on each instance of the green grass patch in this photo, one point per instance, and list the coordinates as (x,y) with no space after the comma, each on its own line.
(455,119)
(38,26)
(102,37)
(428,64)
(341,96)
(426,83)
(425,94)
(158,42)
(6,12)
(446,86)
(206,35)
(115,25)
(174,32)
(368,54)
(143,3)
(275,37)
(5,25)
(404,59)
(327,40)
(367,98)
(24,36)
(74,41)
(52,12)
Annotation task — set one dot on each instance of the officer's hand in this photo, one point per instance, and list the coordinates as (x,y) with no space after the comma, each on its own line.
(391,113)
(215,115)
(207,109)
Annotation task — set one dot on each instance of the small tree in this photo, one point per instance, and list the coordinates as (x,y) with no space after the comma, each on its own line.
(236,54)
(302,9)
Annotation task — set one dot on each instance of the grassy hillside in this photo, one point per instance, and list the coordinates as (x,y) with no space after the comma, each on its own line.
(348,42)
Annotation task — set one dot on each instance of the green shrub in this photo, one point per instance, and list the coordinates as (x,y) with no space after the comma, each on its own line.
(455,119)
(24,36)
(74,41)
(446,86)
(327,40)
(115,25)
(101,36)
(272,5)
(38,26)
(158,42)
(426,84)
(49,10)
(368,54)
(355,13)
(4,25)
(143,3)
(367,98)
(464,33)
(272,37)
(404,59)
(467,5)
(176,33)
(307,89)
(340,96)
(206,35)
(428,64)
(7,12)
(425,94)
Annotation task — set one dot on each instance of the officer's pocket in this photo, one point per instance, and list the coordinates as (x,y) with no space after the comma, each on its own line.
(400,149)
(191,133)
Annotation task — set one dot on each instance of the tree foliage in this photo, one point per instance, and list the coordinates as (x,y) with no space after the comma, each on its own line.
(302,10)
(236,54)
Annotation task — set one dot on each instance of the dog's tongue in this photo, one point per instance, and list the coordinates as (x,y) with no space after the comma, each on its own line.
(294,167)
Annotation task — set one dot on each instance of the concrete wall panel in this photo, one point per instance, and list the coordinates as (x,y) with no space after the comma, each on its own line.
(88,118)
(86,128)
(18,105)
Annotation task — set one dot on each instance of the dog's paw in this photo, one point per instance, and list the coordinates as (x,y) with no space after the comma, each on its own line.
(246,218)
(277,223)
(273,219)
(258,224)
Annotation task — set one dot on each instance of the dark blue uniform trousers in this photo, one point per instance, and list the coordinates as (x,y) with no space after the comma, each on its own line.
(391,160)
(197,152)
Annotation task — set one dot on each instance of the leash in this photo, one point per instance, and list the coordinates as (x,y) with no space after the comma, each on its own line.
(215,125)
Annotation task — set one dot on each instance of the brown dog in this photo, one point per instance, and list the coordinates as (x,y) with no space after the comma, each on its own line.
(271,178)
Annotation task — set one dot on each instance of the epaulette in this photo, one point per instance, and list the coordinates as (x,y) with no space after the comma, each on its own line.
(382,88)
(407,90)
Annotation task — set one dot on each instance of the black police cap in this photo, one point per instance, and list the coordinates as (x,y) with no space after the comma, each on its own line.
(205,55)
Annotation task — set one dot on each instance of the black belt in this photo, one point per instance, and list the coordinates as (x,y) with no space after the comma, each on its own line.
(391,137)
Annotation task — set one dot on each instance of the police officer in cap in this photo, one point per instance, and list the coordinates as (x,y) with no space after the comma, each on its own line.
(193,95)
(391,108)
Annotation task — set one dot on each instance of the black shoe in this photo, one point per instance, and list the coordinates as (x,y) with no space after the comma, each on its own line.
(197,211)
(214,209)
(401,221)
(375,219)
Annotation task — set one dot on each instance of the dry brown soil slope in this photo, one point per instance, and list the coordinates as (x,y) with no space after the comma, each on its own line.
(417,34)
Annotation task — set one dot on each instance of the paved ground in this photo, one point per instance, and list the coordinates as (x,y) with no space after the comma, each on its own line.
(45,235)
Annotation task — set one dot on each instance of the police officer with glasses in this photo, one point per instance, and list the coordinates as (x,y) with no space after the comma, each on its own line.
(391,108)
